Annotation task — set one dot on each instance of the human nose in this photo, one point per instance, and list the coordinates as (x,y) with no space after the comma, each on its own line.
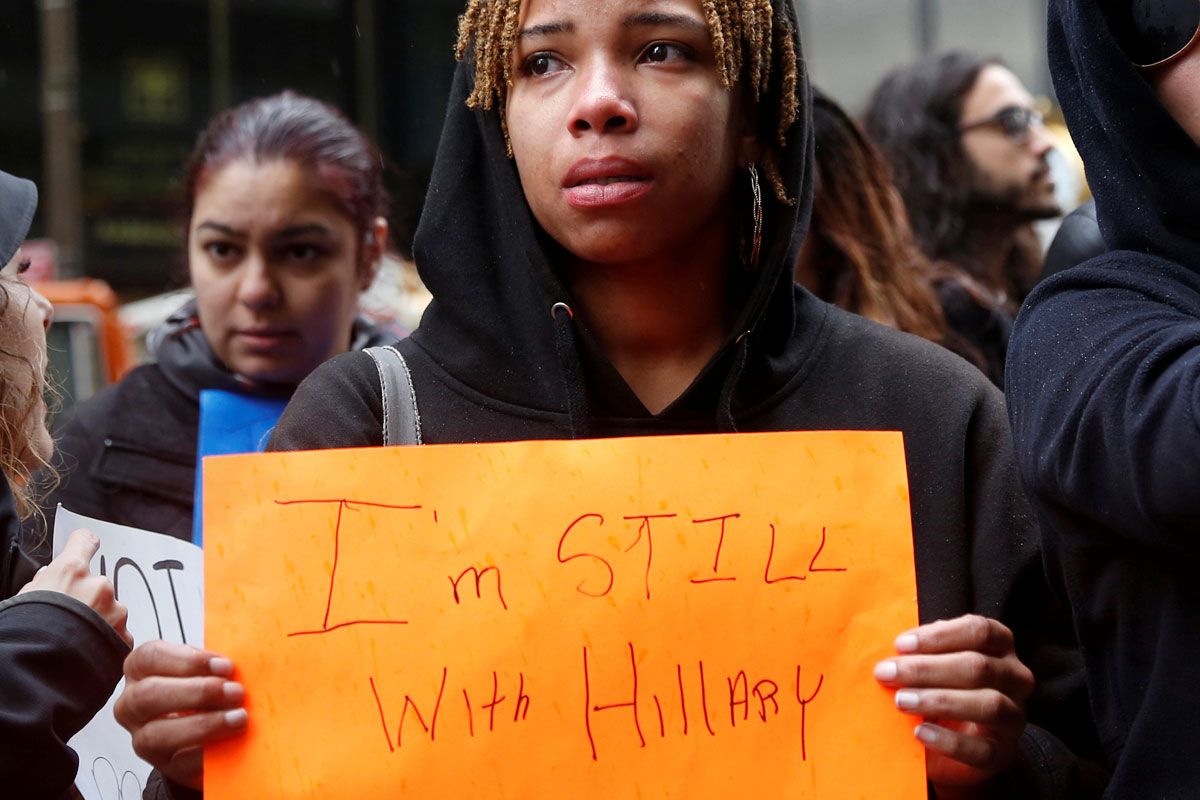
(44,306)
(604,103)
(1040,140)
(257,287)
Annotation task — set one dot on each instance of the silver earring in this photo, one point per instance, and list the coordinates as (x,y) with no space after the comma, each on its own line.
(756,211)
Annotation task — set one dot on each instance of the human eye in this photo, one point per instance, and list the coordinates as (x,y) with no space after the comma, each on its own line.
(220,252)
(305,257)
(542,63)
(1015,121)
(302,252)
(666,52)
(23,265)
(13,270)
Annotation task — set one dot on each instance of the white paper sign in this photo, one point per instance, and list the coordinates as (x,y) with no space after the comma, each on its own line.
(160,579)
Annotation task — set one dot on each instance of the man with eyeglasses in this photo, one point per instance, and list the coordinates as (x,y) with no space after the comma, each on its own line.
(1005,141)
(969,156)
(1104,386)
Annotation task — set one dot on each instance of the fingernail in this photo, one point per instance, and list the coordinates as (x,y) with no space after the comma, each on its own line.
(907,699)
(906,643)
(886,671)
(220,666)
(236,718)
(926,734)
(234,692)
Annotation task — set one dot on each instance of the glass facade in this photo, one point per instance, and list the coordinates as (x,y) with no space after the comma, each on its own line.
(150,73)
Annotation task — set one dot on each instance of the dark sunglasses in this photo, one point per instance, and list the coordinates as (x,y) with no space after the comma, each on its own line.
(1014,122)
(1153,33)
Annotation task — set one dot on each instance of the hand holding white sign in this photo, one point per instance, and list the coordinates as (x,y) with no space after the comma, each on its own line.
(70,574)
(160,580)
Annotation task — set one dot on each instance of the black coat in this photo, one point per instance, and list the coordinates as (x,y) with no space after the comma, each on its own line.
(1078,240)
(128,455)
(59,663)
(1104,393)
(492,362)
(977,329)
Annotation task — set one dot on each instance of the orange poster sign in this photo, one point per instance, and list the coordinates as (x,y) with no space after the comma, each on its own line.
(692,617)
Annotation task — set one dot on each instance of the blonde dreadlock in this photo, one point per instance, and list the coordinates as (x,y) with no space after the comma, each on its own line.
(745,33)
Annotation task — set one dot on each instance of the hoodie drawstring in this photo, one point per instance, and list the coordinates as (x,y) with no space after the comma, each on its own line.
(725,423)
(572,370)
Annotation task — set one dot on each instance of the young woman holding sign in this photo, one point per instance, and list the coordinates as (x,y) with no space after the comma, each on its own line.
(609,238)
(62,633)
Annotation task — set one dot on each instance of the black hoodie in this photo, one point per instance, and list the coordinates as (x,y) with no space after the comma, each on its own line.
(492,362)
(1104,393)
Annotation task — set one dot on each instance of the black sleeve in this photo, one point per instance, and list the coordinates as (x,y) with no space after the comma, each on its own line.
(60,662)
(338,405)
(160,788)
(1060,753)
(1104,399)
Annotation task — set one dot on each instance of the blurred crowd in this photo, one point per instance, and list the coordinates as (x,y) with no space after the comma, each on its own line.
(651,223)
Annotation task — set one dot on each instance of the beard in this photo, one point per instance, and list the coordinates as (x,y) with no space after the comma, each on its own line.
(1013,202)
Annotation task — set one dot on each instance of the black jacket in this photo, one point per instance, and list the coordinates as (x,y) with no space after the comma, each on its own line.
(59,663)
(977,329)
(492,362)
(1104,388)
(1078,240)
(128,455)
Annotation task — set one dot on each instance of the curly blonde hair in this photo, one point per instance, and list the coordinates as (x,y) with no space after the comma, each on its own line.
(18,404)
(745,34)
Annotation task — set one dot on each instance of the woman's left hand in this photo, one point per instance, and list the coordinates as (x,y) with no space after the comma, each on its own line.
(71,574)
(964,678)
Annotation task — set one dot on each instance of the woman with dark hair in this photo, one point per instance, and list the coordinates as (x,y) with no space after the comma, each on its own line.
(860,253)
(62,635)
(581,240)
(286,227)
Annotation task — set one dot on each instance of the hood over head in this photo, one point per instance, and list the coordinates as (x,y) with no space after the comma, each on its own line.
(18,201)
(1142,167)
(490,268)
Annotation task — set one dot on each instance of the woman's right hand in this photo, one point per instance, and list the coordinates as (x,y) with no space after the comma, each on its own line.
(71,574)
(177,698)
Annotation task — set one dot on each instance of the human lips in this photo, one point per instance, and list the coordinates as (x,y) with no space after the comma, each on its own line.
(606,182)
(264,337)
(1044,178)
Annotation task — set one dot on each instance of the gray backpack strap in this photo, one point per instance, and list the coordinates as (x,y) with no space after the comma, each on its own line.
(401,419)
